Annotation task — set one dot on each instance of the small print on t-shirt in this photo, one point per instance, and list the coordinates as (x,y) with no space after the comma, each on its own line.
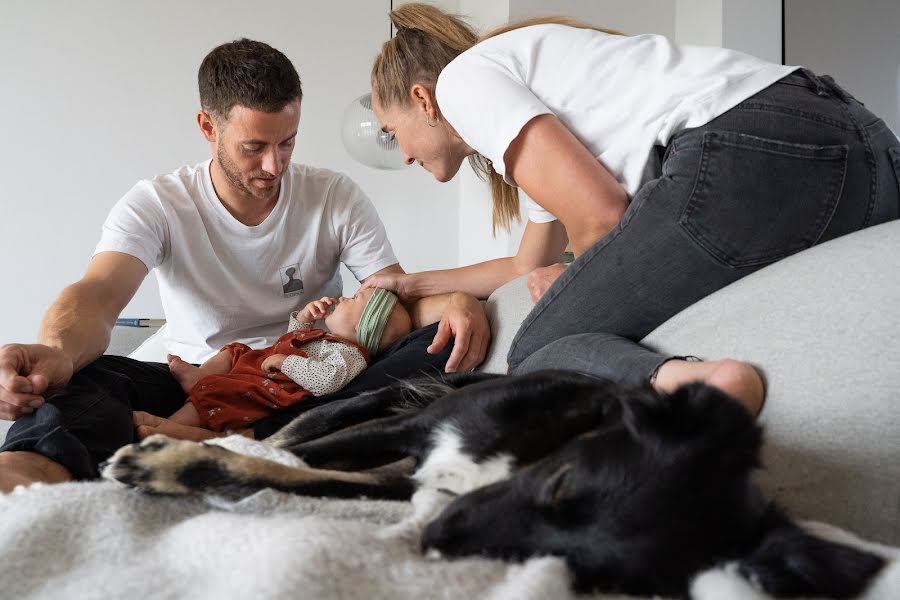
(291,283)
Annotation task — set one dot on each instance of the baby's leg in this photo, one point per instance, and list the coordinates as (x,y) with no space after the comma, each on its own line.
(182,425)
(186,415)
(188,375)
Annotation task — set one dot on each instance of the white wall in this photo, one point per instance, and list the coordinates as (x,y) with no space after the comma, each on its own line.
(857,43)
(476,241)
(99,93)
(699,22)
(629,16)
(753,27)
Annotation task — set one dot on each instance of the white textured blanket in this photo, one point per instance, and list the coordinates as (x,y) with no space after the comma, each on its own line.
(102,540)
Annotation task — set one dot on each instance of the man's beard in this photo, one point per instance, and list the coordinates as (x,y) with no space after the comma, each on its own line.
(234,177)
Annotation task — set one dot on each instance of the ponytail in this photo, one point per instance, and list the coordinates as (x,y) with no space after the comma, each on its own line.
(427,39)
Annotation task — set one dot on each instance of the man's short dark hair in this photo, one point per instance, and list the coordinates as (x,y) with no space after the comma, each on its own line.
(248,73)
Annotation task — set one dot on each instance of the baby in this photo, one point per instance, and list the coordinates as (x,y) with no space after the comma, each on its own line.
(239,385)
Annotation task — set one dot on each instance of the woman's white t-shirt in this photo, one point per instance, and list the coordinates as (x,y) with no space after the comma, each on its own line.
(619,95)
(221,281)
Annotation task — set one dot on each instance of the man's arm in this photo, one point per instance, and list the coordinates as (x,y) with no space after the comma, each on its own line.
(461,316)
(74,332)
(80,322)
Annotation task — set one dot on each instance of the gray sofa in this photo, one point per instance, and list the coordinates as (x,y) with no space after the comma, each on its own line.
(824,326)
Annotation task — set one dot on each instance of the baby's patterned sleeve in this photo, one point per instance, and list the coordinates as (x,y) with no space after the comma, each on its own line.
(296,325)
(328,367)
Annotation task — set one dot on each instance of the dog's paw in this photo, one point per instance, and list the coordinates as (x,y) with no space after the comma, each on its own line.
(161,464)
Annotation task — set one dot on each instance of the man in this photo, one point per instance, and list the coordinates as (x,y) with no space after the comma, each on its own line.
(238,242)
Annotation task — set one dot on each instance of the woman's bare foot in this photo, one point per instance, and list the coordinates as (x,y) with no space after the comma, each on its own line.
(146,425)
(185,373)
(737,379)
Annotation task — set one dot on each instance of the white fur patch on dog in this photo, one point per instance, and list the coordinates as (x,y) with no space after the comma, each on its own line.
(427,504)
(448,467)
(724,582)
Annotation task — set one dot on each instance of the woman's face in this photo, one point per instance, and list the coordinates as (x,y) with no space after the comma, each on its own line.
(436,148)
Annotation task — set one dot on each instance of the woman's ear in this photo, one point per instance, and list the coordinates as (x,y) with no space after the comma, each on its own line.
(423,99)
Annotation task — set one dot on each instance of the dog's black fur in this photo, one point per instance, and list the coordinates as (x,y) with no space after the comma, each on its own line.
(637,491)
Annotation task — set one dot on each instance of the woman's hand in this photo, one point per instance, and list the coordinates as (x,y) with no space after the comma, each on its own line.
(399,283)
(274,362)
(315,310)
(542,278)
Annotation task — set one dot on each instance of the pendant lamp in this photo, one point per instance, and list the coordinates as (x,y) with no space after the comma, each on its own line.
(362,135)
(365,141)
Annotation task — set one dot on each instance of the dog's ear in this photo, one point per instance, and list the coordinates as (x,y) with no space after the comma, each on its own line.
(712,421)
(556,488)
(790,562)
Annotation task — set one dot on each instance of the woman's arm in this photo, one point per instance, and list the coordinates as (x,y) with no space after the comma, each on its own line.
(542,244)
(558,172)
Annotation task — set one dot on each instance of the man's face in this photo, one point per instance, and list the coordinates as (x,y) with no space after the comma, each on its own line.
(253,148)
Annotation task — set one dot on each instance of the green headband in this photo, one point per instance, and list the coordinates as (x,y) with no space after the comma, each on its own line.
(374,318)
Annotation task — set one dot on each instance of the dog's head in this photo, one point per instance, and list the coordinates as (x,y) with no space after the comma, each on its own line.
(639,506)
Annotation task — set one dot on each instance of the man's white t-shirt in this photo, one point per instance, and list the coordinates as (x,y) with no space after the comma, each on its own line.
(221,281)
(619,95)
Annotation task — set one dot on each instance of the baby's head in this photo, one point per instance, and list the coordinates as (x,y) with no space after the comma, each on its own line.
(377,308)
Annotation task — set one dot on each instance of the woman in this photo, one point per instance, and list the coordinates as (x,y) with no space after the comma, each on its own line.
(758,161)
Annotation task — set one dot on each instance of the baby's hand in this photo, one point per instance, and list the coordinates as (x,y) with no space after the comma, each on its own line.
(274,362)
(315,310)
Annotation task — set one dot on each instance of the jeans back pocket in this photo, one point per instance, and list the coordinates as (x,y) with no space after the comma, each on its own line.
(757,200)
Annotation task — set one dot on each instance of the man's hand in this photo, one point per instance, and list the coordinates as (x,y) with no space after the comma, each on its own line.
(463,318)
(542,278)
(28,374)
(274,362)
(315,310)
(399,283)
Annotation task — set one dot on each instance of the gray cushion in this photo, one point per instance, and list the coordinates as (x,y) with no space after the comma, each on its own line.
(506,308)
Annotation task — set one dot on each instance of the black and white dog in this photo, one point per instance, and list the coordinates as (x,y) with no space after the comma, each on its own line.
(637,491)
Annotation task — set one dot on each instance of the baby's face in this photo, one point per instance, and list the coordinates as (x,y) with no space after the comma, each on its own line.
(345,317)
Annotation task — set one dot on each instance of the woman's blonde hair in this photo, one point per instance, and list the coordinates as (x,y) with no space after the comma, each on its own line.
(427,39)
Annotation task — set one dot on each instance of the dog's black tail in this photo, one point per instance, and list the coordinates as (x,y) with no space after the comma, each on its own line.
(790,562)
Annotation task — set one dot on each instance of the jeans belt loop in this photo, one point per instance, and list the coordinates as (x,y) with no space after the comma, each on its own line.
(821,88)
